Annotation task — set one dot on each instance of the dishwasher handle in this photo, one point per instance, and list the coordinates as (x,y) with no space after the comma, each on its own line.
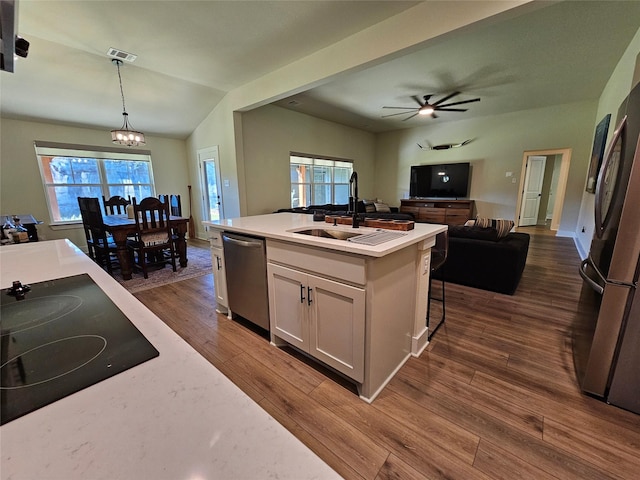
(242,243)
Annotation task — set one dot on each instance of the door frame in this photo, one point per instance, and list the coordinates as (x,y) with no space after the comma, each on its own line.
(203,155)
(561,189)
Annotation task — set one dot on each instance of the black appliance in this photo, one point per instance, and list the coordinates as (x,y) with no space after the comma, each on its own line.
(63,336)
(440,181)
(607,330)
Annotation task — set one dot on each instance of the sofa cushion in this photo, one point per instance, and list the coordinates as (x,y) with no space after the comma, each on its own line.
(502,226)
(369,206)
(382,207)
(479,233)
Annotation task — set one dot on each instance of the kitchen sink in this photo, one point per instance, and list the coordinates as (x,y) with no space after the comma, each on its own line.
(324,233)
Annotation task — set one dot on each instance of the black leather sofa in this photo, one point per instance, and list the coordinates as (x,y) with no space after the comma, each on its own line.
(342,209)
(477,258)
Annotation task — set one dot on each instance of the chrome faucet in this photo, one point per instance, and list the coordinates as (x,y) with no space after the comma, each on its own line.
(353,198)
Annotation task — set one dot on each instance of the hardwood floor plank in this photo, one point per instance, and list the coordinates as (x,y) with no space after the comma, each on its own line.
(396,469)
(329,456)
(513,414)
(418,441)
(502,465)
(363,453)
(521,445)
(609,454)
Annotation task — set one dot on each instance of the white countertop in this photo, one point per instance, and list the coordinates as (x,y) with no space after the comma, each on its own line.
(282,226)
(173,417)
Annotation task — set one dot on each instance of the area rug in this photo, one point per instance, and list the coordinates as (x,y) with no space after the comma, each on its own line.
(199,263)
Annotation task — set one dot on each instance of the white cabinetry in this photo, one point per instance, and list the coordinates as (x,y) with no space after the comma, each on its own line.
(322,317)
(219,275)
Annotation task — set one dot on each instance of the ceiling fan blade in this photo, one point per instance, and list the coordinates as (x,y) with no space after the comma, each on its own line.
(460,103)
(451,109)
(404,108)
(395,114)
(442,100)
(417,99)
(408,118)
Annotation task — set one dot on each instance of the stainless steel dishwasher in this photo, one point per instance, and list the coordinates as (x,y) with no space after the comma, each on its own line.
(246,269)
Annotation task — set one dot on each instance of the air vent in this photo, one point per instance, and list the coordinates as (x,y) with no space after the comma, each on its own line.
(120,55)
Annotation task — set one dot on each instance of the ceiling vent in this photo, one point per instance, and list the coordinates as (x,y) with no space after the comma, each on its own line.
(120,55)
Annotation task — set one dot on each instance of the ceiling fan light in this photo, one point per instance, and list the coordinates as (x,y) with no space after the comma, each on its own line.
(426,110)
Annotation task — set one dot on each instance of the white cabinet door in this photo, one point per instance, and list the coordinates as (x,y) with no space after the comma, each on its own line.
(288,305)
(219,278)
(336,325)
(322,317)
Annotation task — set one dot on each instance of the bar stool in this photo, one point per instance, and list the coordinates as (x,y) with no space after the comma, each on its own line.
(438,260)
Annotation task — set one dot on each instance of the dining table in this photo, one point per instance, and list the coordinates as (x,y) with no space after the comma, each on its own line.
(121,226)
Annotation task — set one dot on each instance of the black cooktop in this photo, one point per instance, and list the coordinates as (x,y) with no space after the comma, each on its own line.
(64,336)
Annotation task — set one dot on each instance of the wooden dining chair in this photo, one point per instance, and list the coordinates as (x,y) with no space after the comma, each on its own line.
(175,206)
(116,205)
(102,248)
(153,243)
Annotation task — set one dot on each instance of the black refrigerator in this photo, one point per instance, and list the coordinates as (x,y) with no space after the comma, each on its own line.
(607,331)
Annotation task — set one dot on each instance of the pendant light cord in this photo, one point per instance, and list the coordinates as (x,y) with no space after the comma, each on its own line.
(118,62)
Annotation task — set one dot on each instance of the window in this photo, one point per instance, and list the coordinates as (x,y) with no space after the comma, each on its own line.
(70,171)
(317,180)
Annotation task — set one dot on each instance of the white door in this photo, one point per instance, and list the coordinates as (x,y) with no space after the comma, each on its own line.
(210,180)
(532,190)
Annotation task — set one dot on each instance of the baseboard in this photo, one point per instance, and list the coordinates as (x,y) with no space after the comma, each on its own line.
(579,248)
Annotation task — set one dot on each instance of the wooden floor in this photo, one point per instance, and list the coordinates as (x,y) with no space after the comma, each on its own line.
(494,396)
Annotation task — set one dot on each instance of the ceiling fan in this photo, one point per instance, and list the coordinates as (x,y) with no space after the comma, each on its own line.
(427,108)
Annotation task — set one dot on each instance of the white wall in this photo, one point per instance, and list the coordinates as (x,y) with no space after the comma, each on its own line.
(21,187)
(616,90)
(271,132)
(497,147)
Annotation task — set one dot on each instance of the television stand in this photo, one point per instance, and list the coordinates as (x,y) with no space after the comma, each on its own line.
(439,210)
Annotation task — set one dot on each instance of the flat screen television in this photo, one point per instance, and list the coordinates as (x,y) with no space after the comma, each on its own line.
(440,181)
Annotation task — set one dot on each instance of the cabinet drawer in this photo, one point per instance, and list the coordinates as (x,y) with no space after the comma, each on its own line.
(340,266)
(457,215)
(412,210)
(215,238)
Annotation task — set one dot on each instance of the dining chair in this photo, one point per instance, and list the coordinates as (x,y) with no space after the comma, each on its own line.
(153,242)
(101,247)
(116,205)
(438,259)
(175,206)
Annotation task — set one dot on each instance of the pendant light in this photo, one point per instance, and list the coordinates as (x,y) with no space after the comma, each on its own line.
(125,135)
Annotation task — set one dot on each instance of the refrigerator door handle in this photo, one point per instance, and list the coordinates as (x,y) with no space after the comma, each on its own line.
(592,283)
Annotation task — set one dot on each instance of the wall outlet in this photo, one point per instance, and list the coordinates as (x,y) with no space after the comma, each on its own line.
(226,182)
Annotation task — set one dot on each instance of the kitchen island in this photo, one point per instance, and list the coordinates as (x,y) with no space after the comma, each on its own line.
(172,417)
(358,309)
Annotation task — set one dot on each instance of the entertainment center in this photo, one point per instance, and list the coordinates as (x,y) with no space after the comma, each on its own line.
(449,212)
(437,192)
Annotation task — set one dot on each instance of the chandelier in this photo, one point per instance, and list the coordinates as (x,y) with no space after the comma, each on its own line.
(125,135)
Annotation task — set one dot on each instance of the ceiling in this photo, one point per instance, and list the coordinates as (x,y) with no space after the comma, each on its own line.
(190,53)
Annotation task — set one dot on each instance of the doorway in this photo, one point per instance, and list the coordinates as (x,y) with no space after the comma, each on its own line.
(543,182)
(209,166)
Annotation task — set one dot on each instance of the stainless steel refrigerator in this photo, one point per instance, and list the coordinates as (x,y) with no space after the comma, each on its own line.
(607,330)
